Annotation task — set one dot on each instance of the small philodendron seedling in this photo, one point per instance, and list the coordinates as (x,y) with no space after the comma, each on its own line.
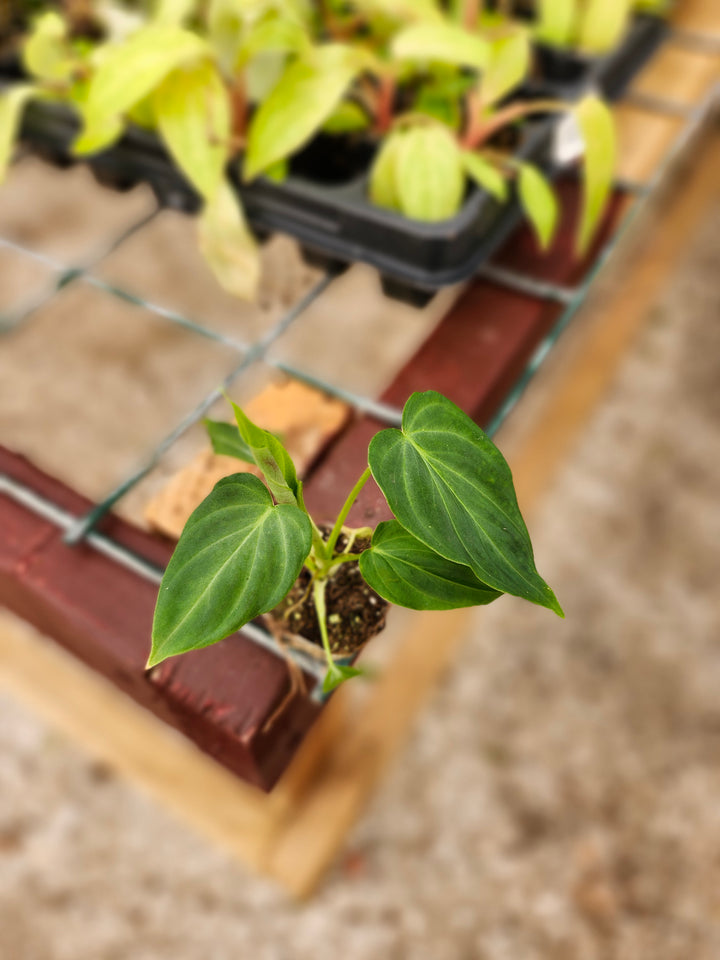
(458,538)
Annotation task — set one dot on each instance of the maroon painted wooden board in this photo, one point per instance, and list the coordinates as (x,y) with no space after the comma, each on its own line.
(101,612)
(222,696)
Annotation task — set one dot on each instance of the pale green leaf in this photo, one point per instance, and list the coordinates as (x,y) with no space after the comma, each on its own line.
(383,175)
(279,171)
(449,486)
(226,30)
(143,114)
(237,557)
(12,104)
(263,73)
(173,13)
(539,202)
(271,456)
(228,246)
(401,10)
(602,25)
(556,22)
(348,117)
(306,95)
(192,109)
(227,442)
(485,174)
(429,173)
(46,53)
(97,134)
(278,35)
(408,573)
(659,7)
(133,69)
(445,43)
(598,131)
(507,66)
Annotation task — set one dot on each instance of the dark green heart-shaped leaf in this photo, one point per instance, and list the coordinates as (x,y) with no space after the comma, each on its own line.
(227,442)
(272,458)
(449,485)
(238,556)
(407,572)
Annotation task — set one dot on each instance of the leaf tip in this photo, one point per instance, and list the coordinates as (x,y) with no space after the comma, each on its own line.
(153,660)
(554,605)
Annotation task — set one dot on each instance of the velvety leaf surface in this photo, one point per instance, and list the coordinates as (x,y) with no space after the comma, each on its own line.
(407,572)
(449,485)
(238,556)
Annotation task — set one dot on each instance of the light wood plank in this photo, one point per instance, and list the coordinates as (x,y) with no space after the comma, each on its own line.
(644,139)
(112,727)
(679,75)
(700,16)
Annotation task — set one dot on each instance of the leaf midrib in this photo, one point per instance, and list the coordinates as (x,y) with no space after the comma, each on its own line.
(436,479)
(217,573)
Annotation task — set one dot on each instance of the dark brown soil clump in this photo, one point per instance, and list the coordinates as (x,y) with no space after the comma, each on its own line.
(355,612)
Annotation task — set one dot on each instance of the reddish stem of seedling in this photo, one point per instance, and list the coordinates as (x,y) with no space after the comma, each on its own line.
(239,109)
(384,103)
(480,129)
(471,14)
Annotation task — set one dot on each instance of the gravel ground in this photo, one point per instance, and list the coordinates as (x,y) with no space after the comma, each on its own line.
(559,799)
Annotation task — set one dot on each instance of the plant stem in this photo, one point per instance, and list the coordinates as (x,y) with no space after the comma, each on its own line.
(319,546)
(320,609)
(347,507)
(471,14)
(344,558)
(384,102)
(480,130)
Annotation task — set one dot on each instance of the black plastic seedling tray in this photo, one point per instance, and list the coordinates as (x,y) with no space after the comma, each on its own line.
(323,203)
(568,74)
